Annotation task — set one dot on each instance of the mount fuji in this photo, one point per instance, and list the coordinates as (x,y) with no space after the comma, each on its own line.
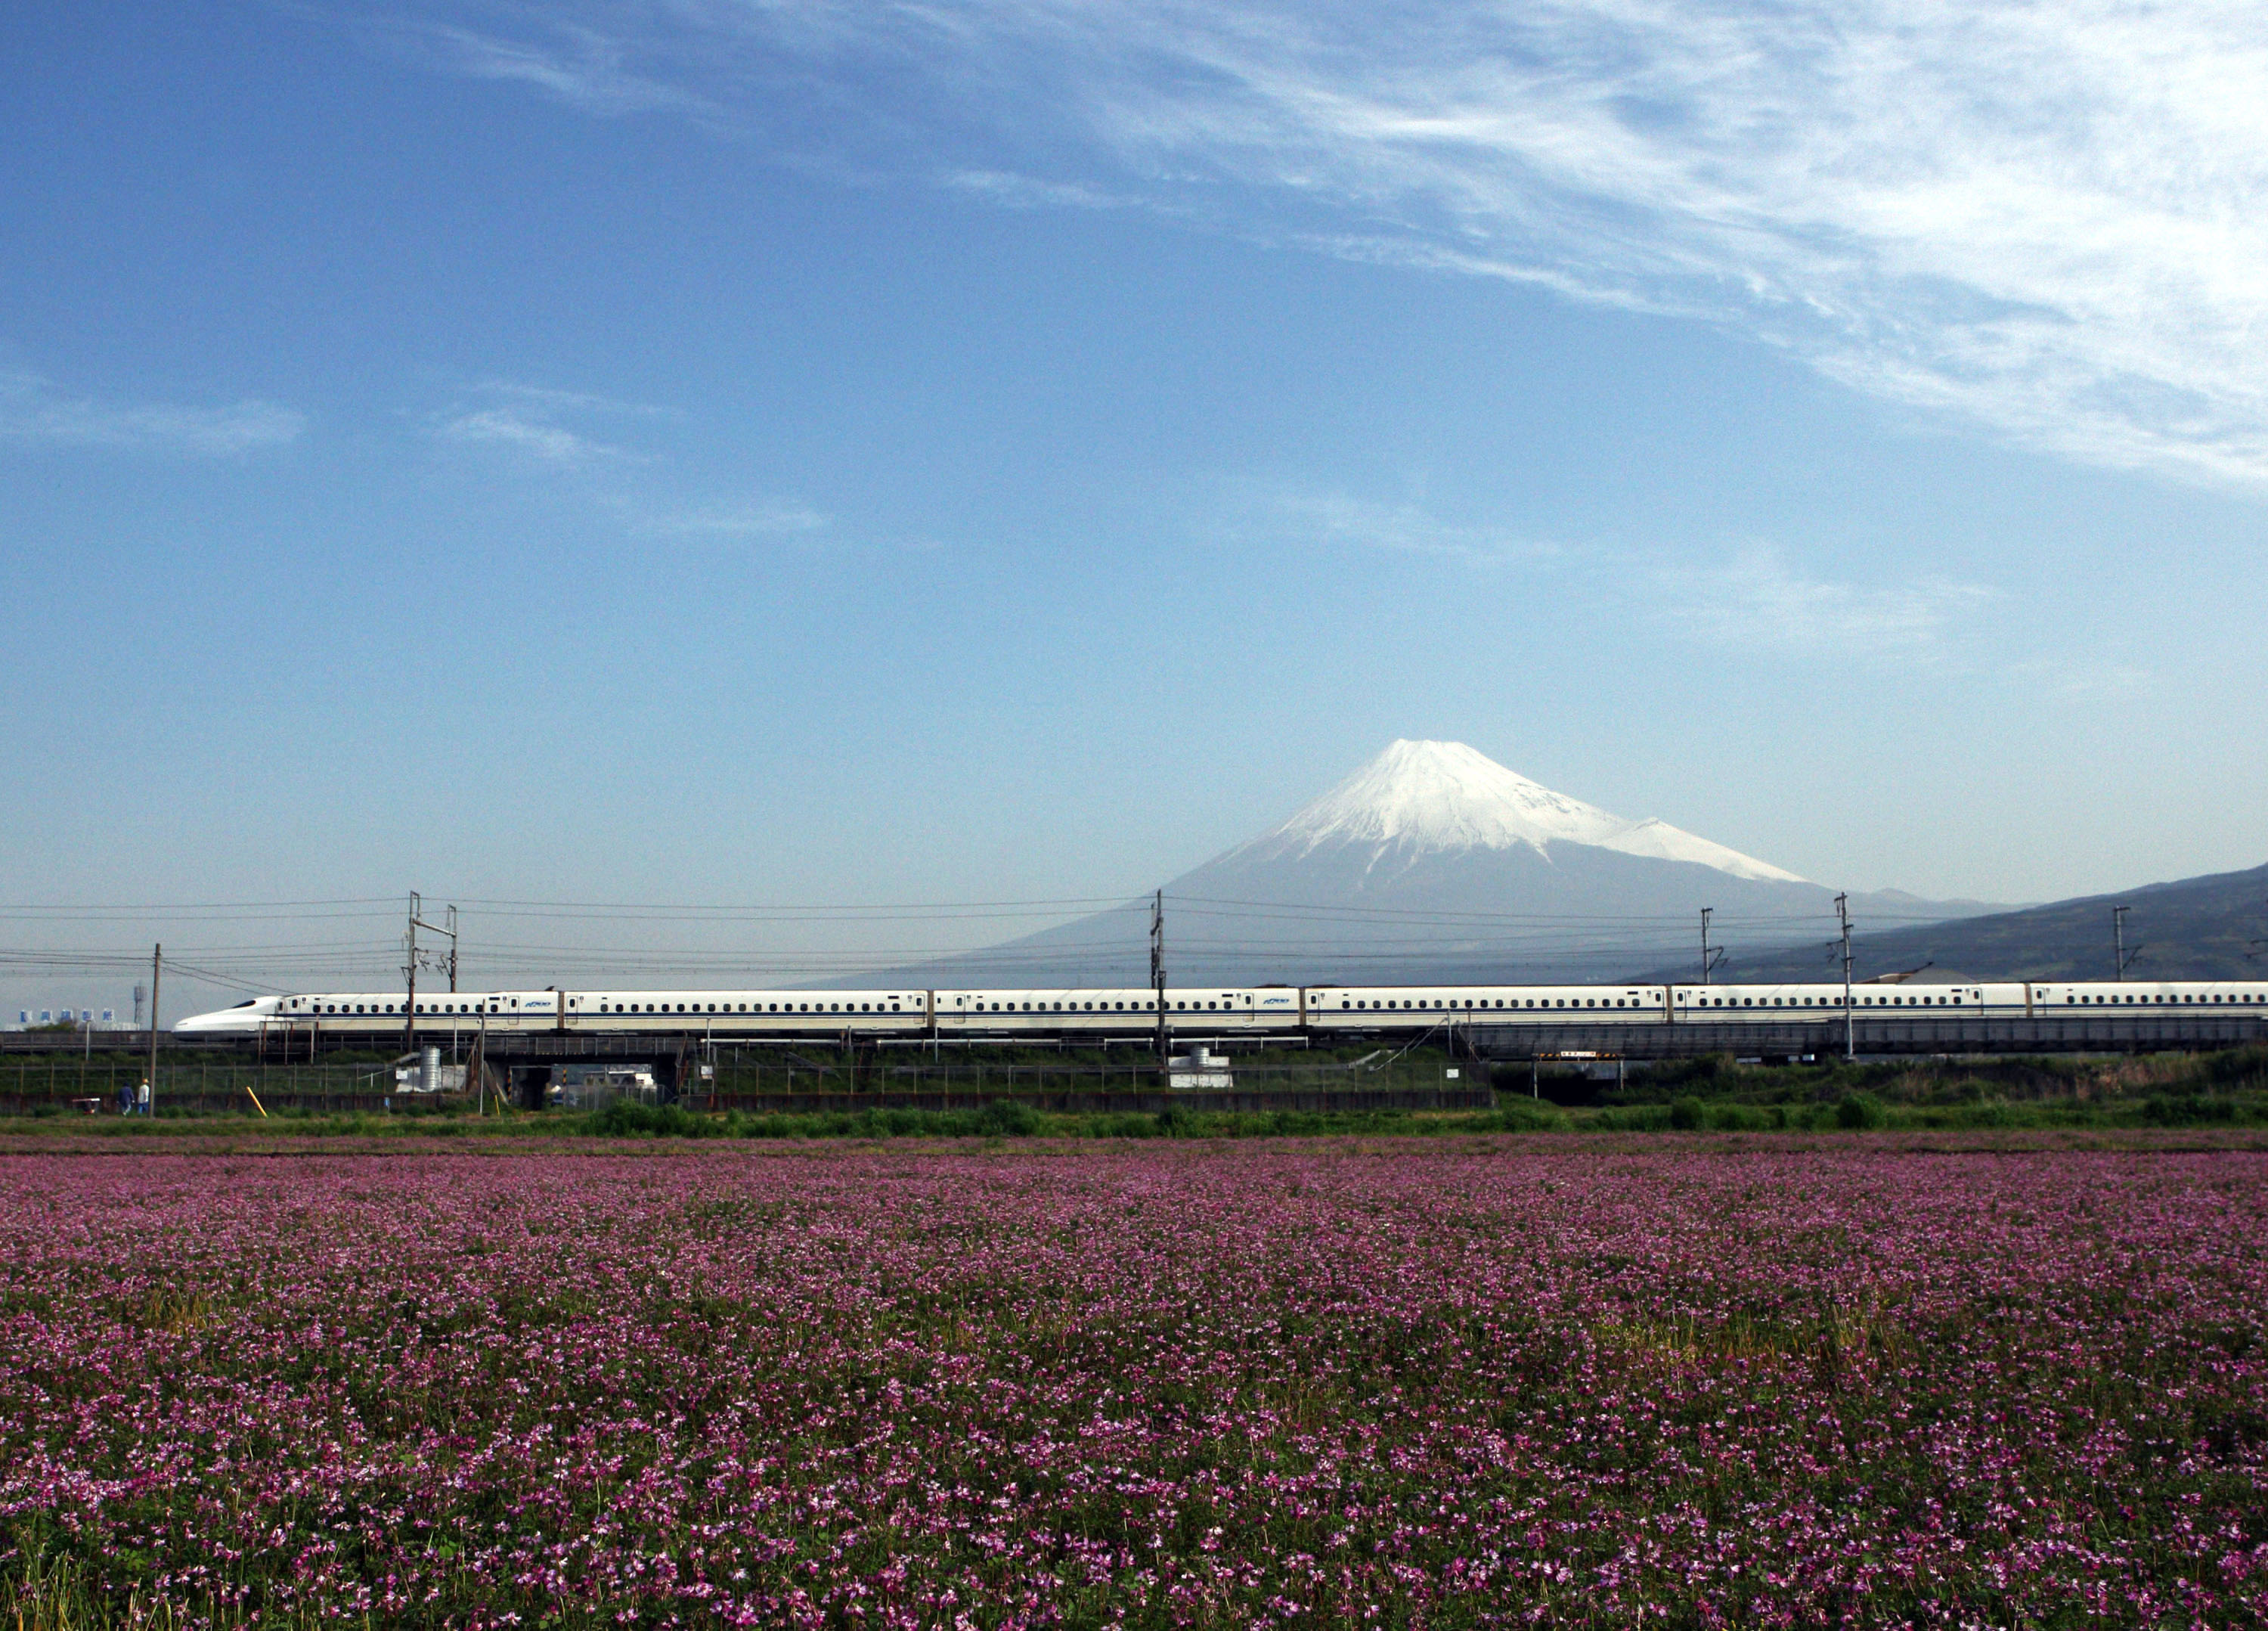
(1434,862)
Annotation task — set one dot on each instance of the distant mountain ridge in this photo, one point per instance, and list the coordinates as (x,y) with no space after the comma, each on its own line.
(1431,862)
(2209,928)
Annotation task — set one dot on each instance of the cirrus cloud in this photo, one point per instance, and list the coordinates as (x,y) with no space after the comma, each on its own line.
(33,409)
(2045,220)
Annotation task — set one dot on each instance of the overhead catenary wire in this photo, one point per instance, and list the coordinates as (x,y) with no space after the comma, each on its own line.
(1394,938)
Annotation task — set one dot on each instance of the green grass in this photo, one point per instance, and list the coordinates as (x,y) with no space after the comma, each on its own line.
(1009,1120)
(1711,1095)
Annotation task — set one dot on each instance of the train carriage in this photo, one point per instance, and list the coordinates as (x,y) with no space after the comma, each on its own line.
(1130,1011)
(1359,1008)
(747,1013)
(2241,997)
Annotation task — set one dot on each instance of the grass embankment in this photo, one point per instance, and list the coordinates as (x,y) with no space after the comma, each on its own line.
(2175,1091)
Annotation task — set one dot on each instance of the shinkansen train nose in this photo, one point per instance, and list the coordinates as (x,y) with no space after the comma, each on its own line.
(244,1017)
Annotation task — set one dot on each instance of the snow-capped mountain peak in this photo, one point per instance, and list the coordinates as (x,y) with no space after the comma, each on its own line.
(1421,796)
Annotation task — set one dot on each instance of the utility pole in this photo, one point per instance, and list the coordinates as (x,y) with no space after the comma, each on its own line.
(2118,940)
(409,974)
(1158,972)
(157,972)
(1843,912)
(1708,961)
(409,965)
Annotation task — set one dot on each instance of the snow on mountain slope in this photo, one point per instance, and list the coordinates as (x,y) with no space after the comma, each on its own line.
(1443,796)
(1435,862)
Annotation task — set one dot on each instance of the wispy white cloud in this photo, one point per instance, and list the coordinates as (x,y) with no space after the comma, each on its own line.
(1756,600)
(1344,520)
(768,518)
(33,409)
(1030,193)
(531,420)
(548,400)
(2077,680)
(2049,219)
(585,68)
(501,426)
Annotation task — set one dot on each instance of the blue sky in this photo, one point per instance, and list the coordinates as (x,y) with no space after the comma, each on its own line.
(994,449)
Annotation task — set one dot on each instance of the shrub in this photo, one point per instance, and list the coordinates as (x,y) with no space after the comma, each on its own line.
(1860,1110)
(1522,1115)
(622,1119)
(1005,1118)
(2165,1111)
(1687,1114)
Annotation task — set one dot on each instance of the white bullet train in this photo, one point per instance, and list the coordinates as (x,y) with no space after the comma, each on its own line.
(1311,1010)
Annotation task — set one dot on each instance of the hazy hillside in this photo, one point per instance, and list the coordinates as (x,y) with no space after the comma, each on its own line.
(2213,927)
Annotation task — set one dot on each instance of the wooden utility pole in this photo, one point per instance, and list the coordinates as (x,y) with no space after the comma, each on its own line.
(157,972)
(1843,912)
(409,974)
(1158,973)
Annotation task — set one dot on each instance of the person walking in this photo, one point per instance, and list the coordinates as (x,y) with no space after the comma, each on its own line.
(125,1099)
(143,1094)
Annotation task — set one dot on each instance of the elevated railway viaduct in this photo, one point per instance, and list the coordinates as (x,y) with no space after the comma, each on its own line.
(522,1064)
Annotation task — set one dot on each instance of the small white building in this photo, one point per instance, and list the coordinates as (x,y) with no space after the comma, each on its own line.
(1200,1068)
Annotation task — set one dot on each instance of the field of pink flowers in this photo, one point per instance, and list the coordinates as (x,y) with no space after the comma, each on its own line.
(1146,1385)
